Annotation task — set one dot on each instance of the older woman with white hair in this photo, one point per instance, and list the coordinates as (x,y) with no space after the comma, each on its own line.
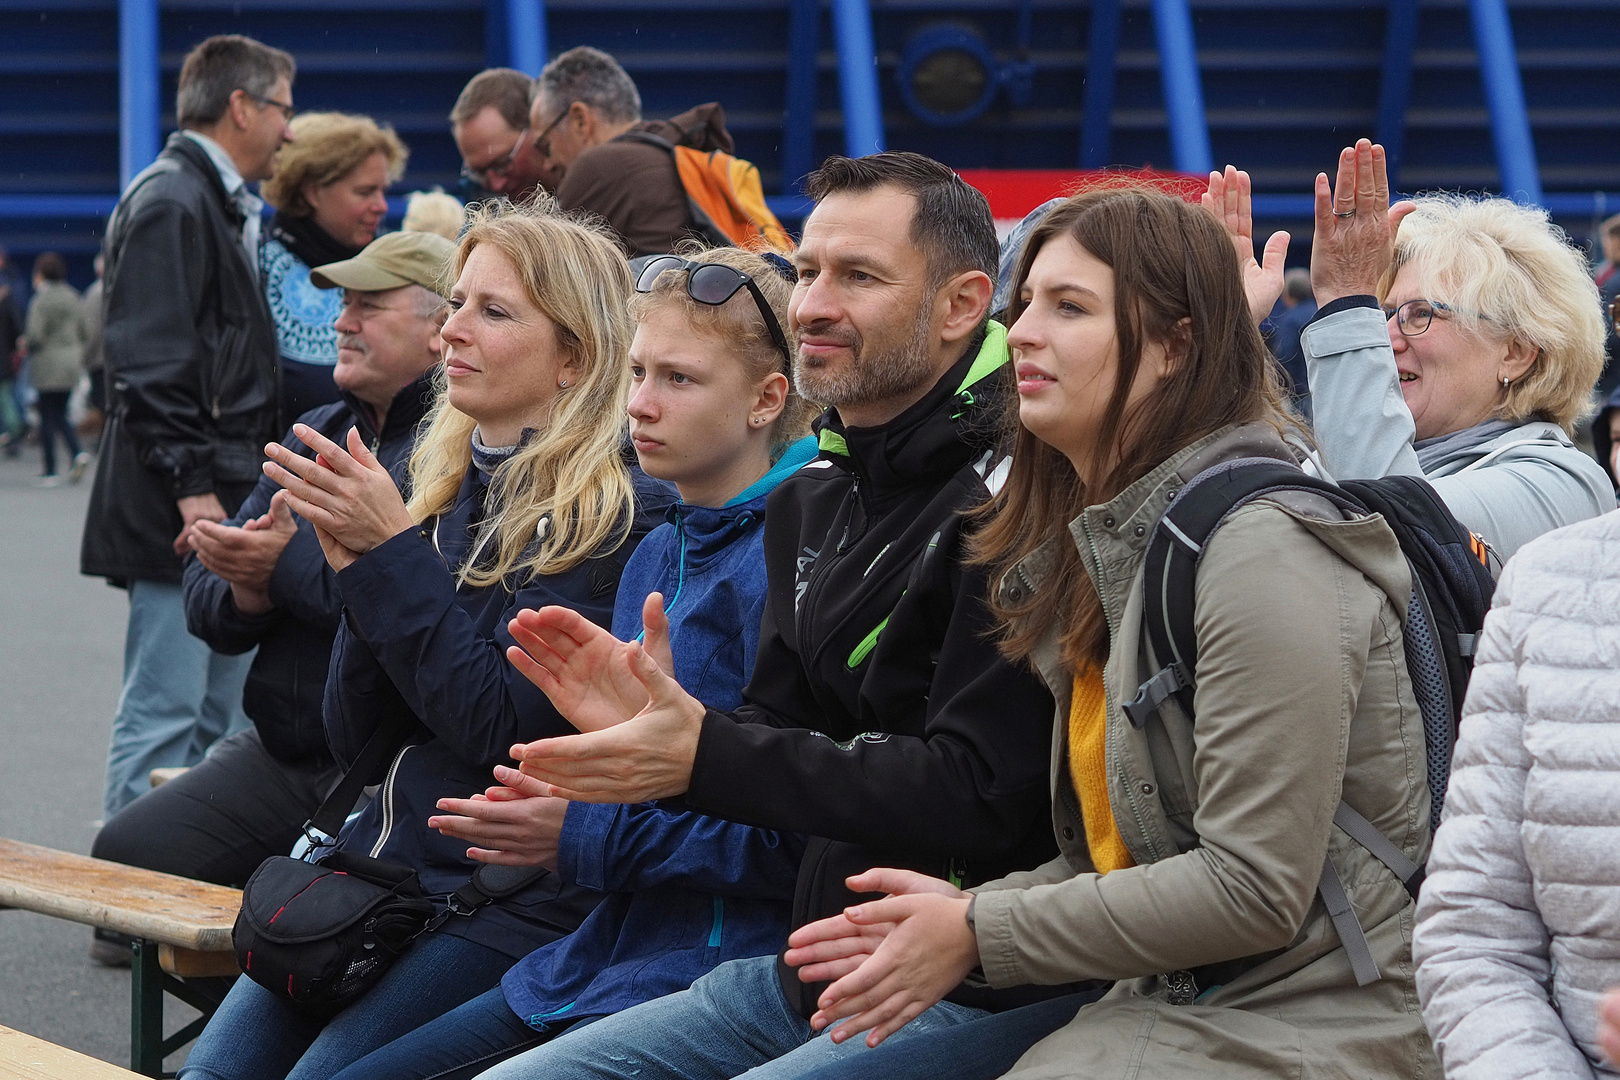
(1458,339)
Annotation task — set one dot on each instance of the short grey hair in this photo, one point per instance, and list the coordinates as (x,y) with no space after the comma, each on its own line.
(594,78)
(1297,284)
(218,68)
(429,304)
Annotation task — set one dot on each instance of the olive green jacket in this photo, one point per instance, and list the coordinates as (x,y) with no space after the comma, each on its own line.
(55,337)
(1302,696)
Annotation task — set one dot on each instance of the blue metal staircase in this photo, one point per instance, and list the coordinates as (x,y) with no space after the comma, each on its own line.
(1276,86)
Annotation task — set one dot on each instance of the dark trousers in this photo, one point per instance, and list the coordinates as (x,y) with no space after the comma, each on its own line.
(221,818)
(53,420)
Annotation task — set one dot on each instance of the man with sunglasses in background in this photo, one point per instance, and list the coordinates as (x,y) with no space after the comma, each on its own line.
(586,121)
(194,387)
(490,126)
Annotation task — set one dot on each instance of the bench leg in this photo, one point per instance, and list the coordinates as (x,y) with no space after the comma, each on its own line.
(148,983)
(146,1010)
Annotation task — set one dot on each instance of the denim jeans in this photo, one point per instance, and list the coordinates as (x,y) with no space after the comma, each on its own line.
(179,695)
(981,1049)
(459,1045)
(54,423)
(734,1021)
(255,1036)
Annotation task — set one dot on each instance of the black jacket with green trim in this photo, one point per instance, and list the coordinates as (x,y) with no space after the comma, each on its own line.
(880,712)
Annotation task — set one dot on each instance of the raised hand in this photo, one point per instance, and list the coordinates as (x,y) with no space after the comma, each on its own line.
(913,947)
(511,824)
(1354,241)
(1230,197)
(347,495)
(647,757)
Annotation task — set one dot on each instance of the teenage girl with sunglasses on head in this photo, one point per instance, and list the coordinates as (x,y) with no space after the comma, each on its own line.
(713,411)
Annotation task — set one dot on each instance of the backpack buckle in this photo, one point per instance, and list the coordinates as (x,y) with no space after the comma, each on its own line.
(1151,694)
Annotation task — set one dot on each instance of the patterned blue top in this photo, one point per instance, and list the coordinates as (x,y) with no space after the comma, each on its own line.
(303,314)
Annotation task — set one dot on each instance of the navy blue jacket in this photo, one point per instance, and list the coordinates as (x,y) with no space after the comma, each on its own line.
(413,647)
(686,892)
(285,685)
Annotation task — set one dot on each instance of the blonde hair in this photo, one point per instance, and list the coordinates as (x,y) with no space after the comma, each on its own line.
(572,472)
(434,212)
(327,147)
(1508,272)
(738,323)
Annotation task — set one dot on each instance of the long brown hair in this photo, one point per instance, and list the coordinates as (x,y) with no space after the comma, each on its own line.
(1176,282)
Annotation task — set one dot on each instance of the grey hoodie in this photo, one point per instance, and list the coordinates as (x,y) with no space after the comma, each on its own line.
(1509,489)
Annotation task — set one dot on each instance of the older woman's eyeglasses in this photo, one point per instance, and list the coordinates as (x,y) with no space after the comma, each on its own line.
(714,284)
(1414,316)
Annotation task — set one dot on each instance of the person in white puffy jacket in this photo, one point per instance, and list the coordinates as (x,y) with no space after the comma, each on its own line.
(1518,931)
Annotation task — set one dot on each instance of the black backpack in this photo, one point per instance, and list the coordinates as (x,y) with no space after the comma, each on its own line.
(1451,591)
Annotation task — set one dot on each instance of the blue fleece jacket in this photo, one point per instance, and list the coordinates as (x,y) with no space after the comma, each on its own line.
(686,891)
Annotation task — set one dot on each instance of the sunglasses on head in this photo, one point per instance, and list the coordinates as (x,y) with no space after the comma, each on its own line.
(712,283)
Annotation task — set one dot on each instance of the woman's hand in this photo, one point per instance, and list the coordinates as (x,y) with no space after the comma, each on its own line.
(346,494)
(512,823)
(926,950)
(1230,197)
(1608,1032)
(647,757)
(1354,242)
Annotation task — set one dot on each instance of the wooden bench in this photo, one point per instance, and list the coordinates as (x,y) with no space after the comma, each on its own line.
(182,930)
(23,1057)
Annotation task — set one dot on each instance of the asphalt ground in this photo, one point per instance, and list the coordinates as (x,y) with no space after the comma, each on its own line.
(61,665)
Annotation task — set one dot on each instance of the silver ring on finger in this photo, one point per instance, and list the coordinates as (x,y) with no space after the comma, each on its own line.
(1345,213)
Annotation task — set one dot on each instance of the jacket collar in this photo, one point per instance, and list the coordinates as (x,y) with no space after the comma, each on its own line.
(954,423)
(706,530)
(191,152)
(404,412)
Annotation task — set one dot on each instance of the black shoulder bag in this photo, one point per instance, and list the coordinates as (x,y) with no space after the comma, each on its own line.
(319,934)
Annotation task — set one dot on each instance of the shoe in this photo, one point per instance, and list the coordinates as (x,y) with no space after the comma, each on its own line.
(49,480)
(110,948)
(81,462)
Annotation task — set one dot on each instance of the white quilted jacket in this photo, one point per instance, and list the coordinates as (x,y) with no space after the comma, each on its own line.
(1519,923)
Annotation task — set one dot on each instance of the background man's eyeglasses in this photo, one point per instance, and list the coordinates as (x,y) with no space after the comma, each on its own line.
(499,167)
(542,141)
(286,108)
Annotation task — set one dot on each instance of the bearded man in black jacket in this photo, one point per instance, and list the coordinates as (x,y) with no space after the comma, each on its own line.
(194,389)
(880,716)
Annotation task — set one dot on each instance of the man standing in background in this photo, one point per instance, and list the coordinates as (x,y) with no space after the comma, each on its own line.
(193,386)
(490,123)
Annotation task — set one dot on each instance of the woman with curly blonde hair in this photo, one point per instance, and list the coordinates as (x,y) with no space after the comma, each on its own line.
(329,192)
(521,496)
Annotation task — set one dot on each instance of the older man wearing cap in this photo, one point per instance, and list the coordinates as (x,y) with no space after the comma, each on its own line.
(260,579)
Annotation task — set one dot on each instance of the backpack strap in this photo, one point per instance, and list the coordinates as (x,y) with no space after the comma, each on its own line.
(1351,936)
(1171,566)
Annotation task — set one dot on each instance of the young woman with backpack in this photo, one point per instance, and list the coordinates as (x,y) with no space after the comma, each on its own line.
(520,495)
(1191,852)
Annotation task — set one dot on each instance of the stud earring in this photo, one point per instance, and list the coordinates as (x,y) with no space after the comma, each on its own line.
(562,385)
(1504,382)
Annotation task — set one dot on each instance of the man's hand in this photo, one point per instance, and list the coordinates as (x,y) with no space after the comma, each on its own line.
(647,757)
(1230,198)
(1608,1032)
(246,556)
(913,948)
(512,824)
(586,671)
(1354,242)
(195,508)
(347,495)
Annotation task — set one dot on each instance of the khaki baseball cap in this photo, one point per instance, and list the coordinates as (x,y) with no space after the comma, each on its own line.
(391,261)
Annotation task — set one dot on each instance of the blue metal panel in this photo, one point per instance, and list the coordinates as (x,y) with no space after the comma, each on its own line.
(1102,58)
(138,109)
(1183,89)
(857,77)
(1395,85)
(799,119)
(526,35)
(1504,98)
